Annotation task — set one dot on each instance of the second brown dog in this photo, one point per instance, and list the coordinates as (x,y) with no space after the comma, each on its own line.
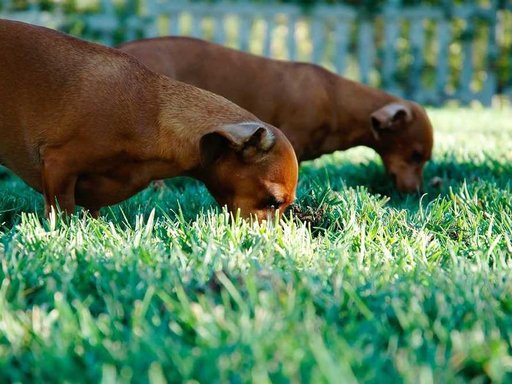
(318,111)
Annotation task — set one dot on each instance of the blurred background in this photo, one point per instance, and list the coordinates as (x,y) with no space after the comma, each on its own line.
(436,52)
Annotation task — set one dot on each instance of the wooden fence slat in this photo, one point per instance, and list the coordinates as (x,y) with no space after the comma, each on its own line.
(244,32)
(174,24)
(149,24)
(443,38)
(269,31)
(417,38)
(466,73)
(503,27)
(196,24)
(291,41)
(391,35)
(341,36)
(365,50)
(131,28)
(317,40)
(491,82)
(219,33)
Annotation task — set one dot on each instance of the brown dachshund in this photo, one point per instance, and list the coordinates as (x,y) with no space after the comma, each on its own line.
(318,111)
(89,125)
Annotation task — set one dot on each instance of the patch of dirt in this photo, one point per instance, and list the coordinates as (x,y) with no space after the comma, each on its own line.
(315,216)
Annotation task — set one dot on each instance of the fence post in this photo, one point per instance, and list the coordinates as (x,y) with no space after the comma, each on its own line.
(269,31)
(290,38)
(317,40)
(196,24)
(491,84)
(391,33)
(466,74)
(219,33)
(341,40)
(174,22)
(244,30)
(417,46)
(366,50)
(443,38)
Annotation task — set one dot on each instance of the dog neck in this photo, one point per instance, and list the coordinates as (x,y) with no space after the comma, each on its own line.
(354,104)
(186,114)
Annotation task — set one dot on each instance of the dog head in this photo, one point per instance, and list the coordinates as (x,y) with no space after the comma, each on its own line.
(251,167)
(404,138)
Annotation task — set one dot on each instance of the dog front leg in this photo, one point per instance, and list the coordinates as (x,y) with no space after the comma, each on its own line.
(58,185)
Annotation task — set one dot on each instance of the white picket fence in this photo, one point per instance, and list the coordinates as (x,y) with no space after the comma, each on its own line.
(427,54)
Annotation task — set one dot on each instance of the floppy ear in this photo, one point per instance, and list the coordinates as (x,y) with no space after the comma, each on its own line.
(248,139)
(390,118)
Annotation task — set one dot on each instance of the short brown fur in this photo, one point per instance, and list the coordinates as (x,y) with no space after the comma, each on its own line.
(318,111)
(89,125)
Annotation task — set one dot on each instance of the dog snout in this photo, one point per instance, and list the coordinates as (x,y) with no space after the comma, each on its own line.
(407,179)
(409,185)
(411,189)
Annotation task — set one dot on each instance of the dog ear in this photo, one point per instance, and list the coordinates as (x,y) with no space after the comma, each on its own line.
(247,139)
(391,117)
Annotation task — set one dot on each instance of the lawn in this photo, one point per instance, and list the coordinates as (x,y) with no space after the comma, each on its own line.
(356,284)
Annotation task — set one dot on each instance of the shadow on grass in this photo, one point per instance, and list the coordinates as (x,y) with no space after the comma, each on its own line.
(440,177)
(366,188)
(186,197)
(183,197)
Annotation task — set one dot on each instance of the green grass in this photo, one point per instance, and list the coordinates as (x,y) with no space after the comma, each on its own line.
(356,284)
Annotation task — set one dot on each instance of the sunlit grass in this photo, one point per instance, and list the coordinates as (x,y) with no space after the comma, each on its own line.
(357,283)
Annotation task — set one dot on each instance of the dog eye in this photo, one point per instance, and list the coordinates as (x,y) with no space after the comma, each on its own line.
(272,203)
(417,157)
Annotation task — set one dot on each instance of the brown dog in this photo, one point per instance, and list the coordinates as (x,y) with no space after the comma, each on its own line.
(318,111)
(90,125)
